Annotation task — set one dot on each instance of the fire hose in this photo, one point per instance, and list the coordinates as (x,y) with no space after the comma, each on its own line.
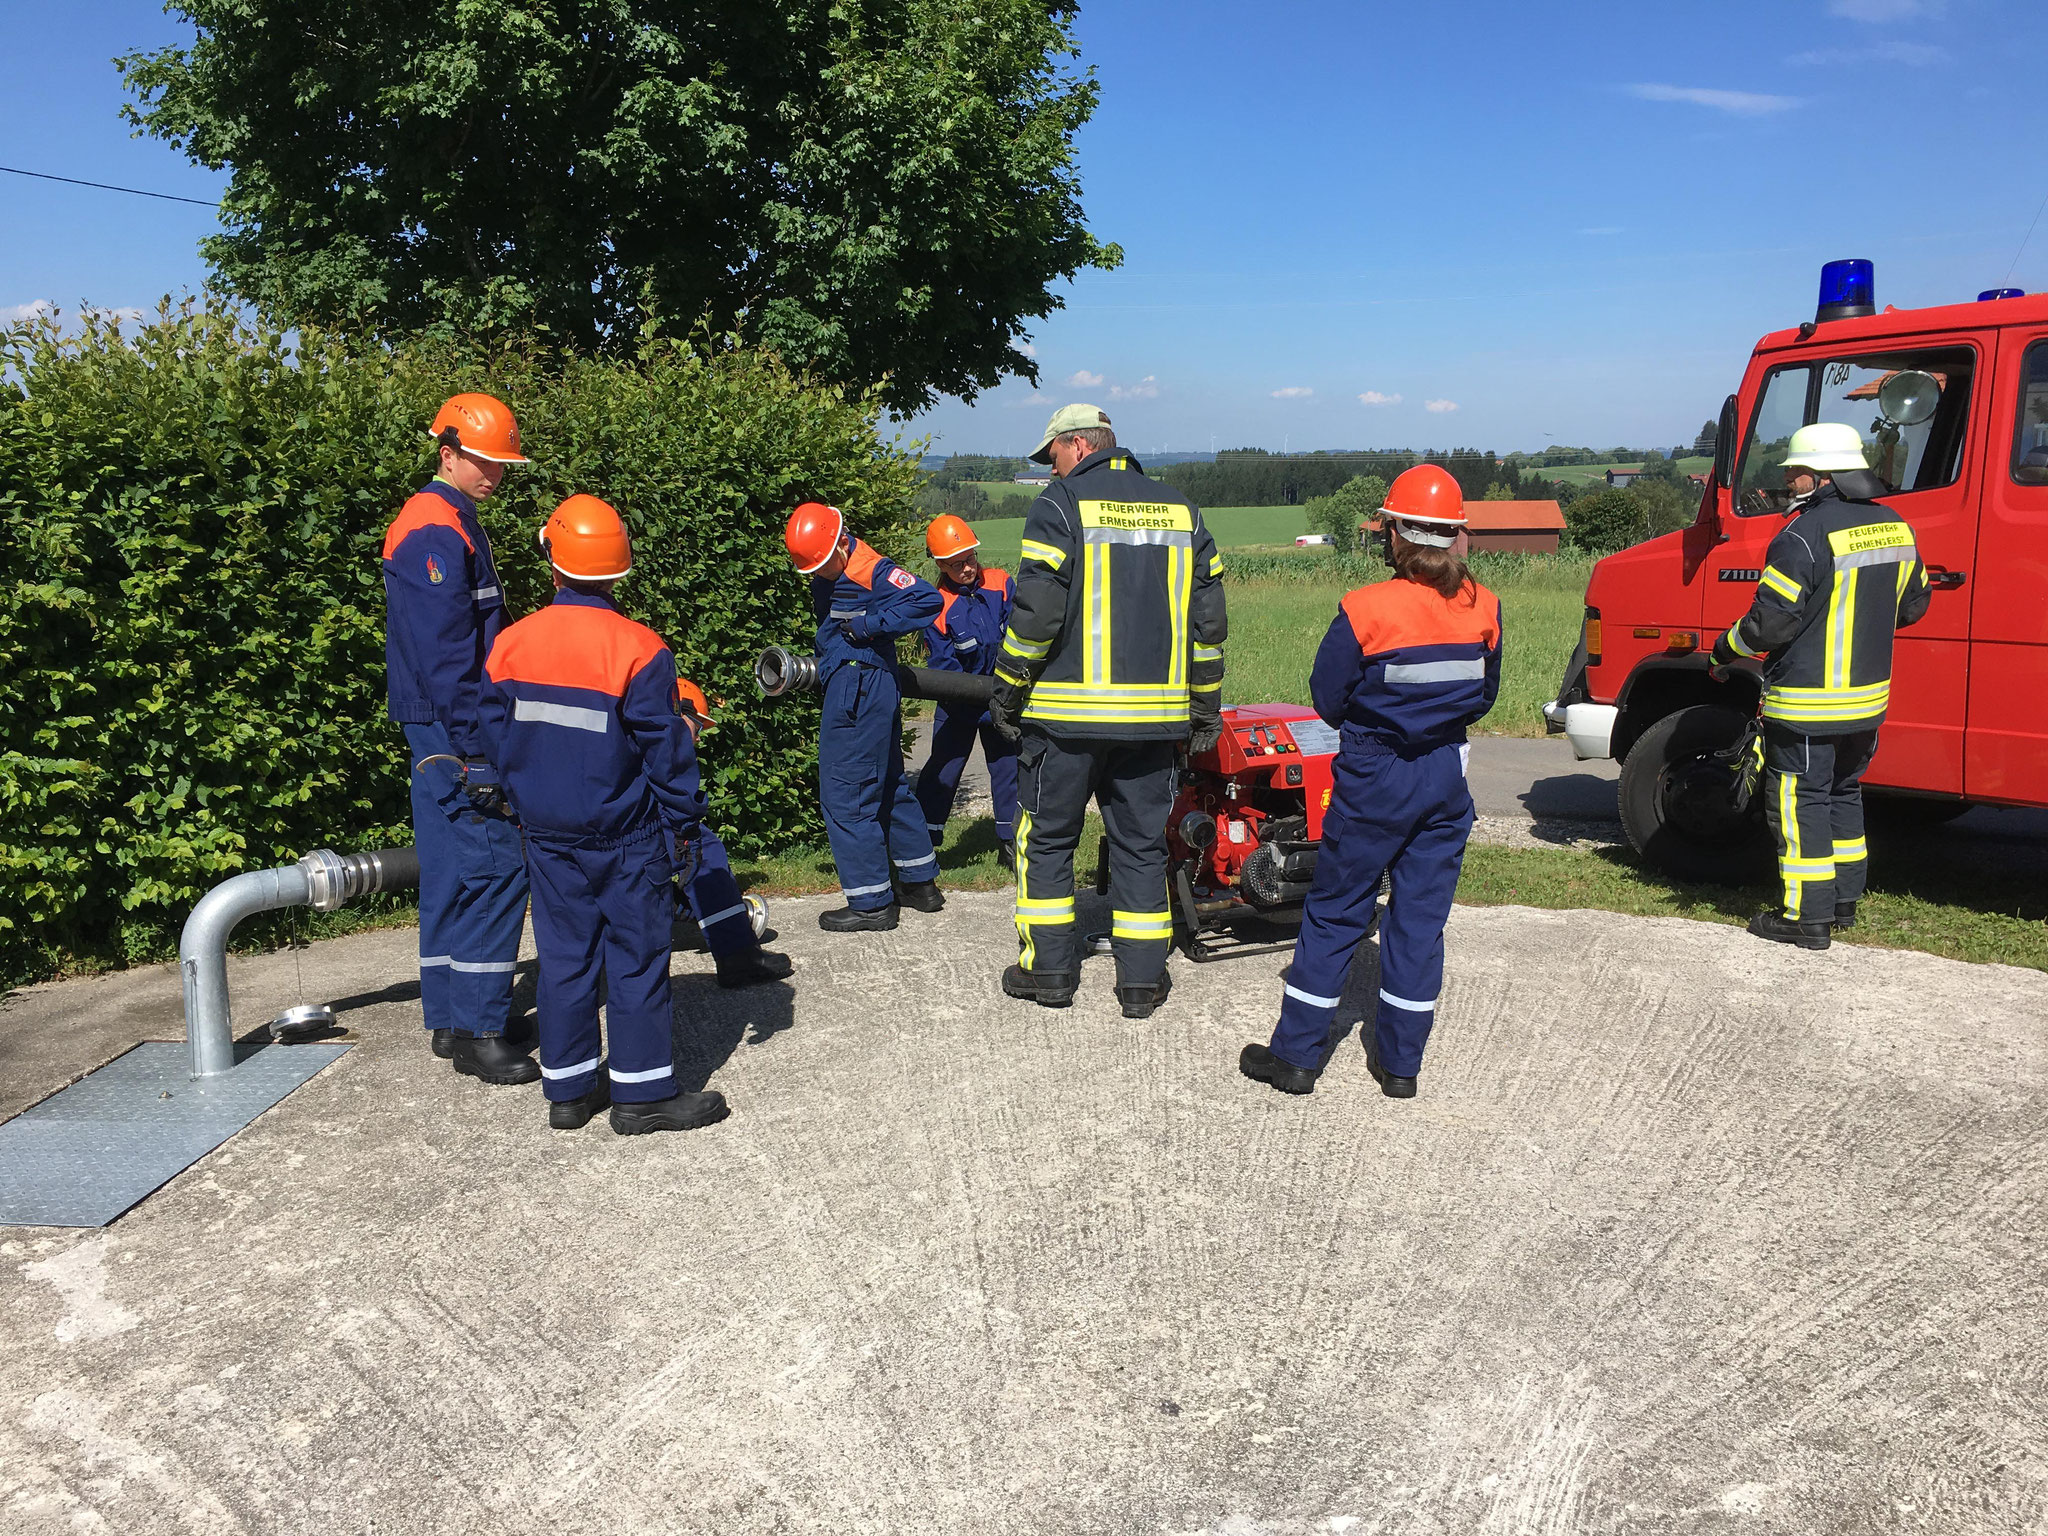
(779,671)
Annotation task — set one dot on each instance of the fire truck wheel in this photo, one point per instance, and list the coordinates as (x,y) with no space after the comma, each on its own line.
(1677,800)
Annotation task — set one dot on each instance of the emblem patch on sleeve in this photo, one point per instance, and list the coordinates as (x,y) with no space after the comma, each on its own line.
(901,578)
(434,572)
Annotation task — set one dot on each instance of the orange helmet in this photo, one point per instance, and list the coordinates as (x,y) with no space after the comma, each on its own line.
(1426,505)
(478,424)
(949,536)
(586,541)
(812,535)
(695,706)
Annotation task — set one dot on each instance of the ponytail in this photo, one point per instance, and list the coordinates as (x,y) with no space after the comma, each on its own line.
(1437,568)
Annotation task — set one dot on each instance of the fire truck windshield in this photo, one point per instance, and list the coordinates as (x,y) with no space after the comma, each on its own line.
(1906,456)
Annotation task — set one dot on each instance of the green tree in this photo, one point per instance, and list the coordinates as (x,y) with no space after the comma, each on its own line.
(1344,511)
(1605,521)
(1500,492)
(882,191)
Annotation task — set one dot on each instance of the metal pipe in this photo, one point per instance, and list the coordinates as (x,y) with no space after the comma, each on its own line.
(323,879)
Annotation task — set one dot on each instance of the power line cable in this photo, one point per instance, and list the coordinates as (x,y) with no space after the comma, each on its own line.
(2016,255)
(103,186)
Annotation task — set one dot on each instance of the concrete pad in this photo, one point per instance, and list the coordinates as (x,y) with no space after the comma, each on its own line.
(1686,1233)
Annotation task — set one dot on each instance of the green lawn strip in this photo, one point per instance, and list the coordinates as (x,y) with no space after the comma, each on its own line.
(1948,914)
(966,863)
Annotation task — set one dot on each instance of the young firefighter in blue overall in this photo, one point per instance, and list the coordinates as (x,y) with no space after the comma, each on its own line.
(443,609)
(1841,578)
(863,603)
(580,703)
(967,636)
(711,893)
(1405,668)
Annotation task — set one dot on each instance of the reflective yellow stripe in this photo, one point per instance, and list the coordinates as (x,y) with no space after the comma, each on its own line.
(1208,653)
(1735,643)
(1215,565)
(1044,554)
(1141,925)
(1085,691)
(1841,639)
(1028,650)
(1114,714)
(1850,852)
(1855,541)
(1180,582)
(1027,905)
(1780,583)
(1163,516)
(1215,687)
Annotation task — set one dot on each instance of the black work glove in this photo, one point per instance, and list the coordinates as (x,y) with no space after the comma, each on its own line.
(1006,707)
(480,783)
(1724,657)
(1205,722)
(856,629)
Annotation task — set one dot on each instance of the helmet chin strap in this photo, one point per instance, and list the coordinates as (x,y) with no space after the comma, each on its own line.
(1428,537)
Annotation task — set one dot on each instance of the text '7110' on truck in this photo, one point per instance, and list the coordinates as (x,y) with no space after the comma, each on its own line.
(1952,403)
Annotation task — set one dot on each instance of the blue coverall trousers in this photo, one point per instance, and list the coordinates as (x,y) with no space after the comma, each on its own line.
(713,897)
(472,896)
(605,912)
(1408,815)
(871,816)
(953,735)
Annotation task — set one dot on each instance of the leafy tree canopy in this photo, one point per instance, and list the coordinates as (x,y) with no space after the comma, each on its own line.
(882,191)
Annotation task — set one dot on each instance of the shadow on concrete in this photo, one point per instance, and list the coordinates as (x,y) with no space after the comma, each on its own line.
(1571,797)
(711,1023)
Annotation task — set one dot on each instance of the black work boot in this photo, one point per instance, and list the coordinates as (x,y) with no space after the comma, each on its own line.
(1845,914)
(1048,989)
(574,1114)
(1393,1087)
(488,1057)
(1006,853)
(751,967)
(1261,1065)
(442,1043)
(684,1112)
(858,920)
(1779,929)
(1138,1002)
(924,896)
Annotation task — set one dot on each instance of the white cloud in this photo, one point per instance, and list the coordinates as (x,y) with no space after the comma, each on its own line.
(1081,378)
(1877,12)
(1146,388)
(1293,392)
(1027,349)
(1440,406)
(14,314)
(1031,402)
(1740,103)
(1374,397)
(1913,55)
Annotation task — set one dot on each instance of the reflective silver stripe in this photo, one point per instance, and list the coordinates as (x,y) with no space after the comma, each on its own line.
(483,967)
(1311,999)
(719,917)
(1434,671)
(1408,1003)
(434,960)
(556,1074)
(1178,536)
(484,592)
(935,827)
(640,1077)
(930,858)
(562,714)
(847,613)
(966,643)
(863,890)
(1875,557)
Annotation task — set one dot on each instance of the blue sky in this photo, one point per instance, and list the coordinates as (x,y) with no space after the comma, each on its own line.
(1500,224)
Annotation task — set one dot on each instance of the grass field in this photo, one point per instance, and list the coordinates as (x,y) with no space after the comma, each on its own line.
(1587,474)
(1277,622)
(1231,527)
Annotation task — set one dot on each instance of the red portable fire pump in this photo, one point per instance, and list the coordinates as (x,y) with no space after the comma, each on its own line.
(1242,837)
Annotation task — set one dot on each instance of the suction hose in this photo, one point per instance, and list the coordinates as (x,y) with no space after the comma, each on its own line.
(779,671)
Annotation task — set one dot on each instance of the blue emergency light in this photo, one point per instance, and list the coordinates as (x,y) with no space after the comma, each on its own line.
(2001,293)
(1847,289)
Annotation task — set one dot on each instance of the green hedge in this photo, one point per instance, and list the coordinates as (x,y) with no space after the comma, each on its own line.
(191,623)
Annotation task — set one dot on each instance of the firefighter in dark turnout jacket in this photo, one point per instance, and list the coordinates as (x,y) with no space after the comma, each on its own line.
(581,709)
(1113,656)
(1842,577)
(443,609)
(967,636)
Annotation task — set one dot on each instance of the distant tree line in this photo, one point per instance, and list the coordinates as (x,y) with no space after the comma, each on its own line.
(952,488)
(1253,477)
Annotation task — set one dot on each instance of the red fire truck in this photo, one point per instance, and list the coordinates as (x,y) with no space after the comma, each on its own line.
(1952,403)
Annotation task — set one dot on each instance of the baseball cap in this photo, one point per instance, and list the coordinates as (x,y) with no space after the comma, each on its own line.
(1068,418)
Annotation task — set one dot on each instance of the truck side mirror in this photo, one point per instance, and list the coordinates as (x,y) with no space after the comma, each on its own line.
(1724,446)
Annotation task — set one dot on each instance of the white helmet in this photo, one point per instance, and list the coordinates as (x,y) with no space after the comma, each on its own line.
(1825,447)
